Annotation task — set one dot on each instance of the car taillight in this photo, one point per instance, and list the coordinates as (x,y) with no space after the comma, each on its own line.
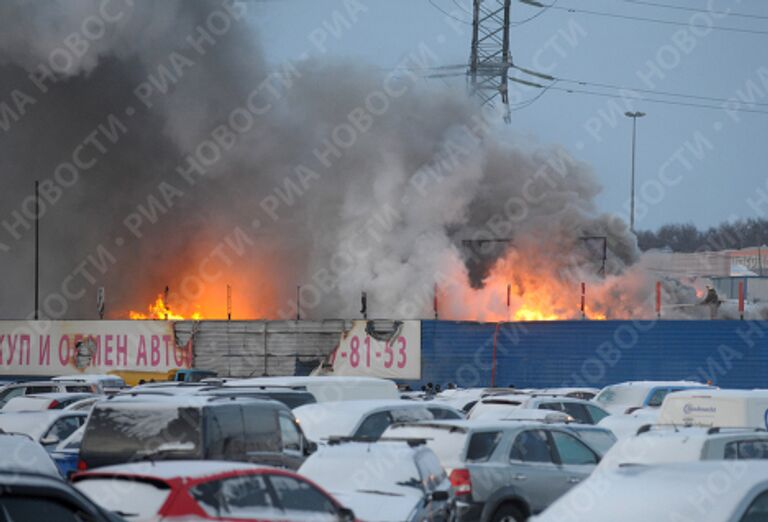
(53,405)
(81,465)
(462,484)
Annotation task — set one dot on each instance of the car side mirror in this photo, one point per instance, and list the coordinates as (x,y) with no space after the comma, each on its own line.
(310,447)
(50,440)
(346,515)
(440,496)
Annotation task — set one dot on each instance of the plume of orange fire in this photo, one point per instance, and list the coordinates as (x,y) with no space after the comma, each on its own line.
(160,310)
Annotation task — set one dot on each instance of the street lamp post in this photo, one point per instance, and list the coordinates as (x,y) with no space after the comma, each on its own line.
(634,116)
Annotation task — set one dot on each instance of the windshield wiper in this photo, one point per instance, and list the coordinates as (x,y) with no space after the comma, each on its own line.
(378,492)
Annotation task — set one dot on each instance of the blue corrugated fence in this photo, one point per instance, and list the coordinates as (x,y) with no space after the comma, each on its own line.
(595,353)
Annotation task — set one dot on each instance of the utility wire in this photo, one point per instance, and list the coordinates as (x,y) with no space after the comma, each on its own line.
(541,12)
(653,100)
(697,10)
(446,13)
(659,21)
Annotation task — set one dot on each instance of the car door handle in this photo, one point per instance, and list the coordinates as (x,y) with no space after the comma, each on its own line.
(520,476)
(573,480)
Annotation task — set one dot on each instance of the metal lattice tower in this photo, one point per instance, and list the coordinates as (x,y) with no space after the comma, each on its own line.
(490,60)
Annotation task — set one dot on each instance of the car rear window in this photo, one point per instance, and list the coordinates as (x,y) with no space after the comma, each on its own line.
(234,496)
(127,498)
(148,430)
(482,445)
(747,449)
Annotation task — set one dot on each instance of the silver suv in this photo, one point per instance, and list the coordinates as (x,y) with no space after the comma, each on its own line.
(505,471)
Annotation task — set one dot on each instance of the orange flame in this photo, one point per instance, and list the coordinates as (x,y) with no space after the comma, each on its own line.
(160,310)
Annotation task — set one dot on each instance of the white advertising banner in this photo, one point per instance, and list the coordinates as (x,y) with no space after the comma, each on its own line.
(394,355)
(66,347)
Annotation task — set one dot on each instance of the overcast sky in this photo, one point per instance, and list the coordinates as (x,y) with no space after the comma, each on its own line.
(694,164)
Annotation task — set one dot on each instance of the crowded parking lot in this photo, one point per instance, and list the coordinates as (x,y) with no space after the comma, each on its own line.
(275,449)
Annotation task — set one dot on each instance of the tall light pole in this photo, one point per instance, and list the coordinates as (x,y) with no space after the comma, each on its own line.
(634,116)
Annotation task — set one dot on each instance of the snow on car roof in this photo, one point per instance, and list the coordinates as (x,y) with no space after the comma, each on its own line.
(179,468)
(643,493)
(387,466)
(301,381)
(25,455)
(324,419)
(32,423)
(469,425)
(90,378)
(654,384)
(160,401)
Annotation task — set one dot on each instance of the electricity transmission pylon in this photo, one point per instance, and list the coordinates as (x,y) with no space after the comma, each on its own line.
(490,59)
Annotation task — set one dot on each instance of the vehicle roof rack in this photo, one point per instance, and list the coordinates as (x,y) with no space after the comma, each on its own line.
(719,429)
(411,441)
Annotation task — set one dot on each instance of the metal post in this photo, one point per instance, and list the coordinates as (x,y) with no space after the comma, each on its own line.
(634,116)
(229,303)
(298,302)
(37,250)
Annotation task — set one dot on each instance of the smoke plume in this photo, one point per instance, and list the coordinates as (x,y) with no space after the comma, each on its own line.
(214,167)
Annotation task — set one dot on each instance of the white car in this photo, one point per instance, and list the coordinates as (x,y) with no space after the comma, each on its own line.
(23,455)
(364,419)
(624,426)
(46,401)
(103,383)
(464,398)
(665,444)
(724,491)
(46,427)
(500,407)
(628,396)
(383,481)
(327,388)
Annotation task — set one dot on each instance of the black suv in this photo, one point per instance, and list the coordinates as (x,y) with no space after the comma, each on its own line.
(157,427)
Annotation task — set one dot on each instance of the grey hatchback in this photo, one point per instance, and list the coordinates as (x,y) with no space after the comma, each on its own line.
(505,471)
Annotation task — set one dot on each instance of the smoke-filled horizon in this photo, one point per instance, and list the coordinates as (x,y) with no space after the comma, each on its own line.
(171,154)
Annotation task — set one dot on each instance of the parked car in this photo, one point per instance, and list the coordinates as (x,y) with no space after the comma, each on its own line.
(463,399)
(21,454)
(209,490)
(47,427)
(361,419)
(628,396)
(572,392)
(288,396)
(34,387)
(727,491)
(84,404)
(326,388)
(66,454)
(187,427)
(104,383)
(45,401)
(499,407)
(720,408)
(28,497)
(504,471)
(663,444)
(623,426)
(385,481)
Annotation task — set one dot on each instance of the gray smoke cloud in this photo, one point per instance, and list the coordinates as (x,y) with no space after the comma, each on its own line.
(340,180)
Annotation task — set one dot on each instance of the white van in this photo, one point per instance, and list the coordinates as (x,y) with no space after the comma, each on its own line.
(720,408)
(327,388)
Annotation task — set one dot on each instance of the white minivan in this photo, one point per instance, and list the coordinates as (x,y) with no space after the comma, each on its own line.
(720,408)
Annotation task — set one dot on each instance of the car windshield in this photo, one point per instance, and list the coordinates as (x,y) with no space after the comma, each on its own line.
(143,431)
(621,394)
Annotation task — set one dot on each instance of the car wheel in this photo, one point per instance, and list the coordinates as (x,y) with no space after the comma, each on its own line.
(507,513)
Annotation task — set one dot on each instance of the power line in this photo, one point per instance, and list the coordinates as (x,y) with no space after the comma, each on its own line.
(446,13)
(659,21)
(541,12)
(653,100)
(697,10)
(651,91)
